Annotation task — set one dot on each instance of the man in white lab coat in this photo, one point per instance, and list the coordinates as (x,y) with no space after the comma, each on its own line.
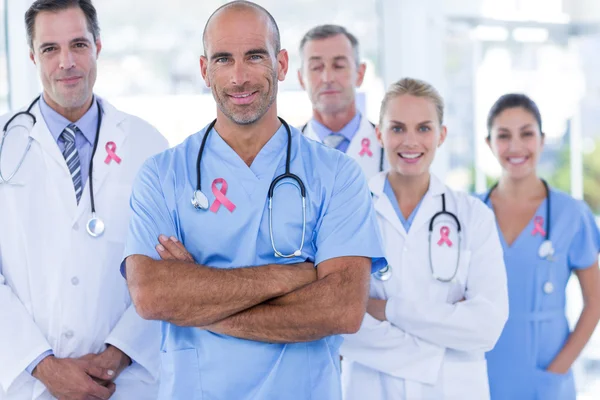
(68,328)
(331,72)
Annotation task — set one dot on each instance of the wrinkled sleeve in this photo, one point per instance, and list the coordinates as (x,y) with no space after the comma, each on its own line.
(349,225)
(151,216)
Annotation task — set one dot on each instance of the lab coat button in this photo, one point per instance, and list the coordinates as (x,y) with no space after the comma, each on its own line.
(69,334)
(75,281)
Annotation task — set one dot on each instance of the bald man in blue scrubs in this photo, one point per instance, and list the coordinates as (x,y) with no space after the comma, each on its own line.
(240,322)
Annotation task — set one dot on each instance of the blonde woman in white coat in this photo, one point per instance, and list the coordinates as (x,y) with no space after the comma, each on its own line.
(443,303)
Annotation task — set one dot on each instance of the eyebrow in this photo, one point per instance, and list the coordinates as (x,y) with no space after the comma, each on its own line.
(526,126)
(257,51)
(76,40)
(336,58)
(222,54)
(402,123)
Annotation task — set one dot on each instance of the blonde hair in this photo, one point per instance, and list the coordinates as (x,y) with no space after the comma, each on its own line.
(413,87)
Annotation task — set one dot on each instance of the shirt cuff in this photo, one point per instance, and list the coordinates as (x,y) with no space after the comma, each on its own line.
(38,360)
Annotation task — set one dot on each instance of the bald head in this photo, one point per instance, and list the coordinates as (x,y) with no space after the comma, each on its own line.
(243,6)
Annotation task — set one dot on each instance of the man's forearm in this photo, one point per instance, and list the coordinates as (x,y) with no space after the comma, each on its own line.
(332,305)
(188,294)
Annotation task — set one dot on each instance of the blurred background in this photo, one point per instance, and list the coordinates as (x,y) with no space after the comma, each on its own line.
(473,51)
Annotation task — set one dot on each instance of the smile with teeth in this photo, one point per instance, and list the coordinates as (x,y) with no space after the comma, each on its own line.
(241,96)
(410,156)
(517,160)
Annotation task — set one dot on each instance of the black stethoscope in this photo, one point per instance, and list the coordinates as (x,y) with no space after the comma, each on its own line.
(95,225)
(546,250)
(386,273)
(200,201)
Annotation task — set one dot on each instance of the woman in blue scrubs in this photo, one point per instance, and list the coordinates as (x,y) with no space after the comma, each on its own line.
(546,234)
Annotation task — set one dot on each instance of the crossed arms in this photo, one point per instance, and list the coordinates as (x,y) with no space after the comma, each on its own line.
(270,303)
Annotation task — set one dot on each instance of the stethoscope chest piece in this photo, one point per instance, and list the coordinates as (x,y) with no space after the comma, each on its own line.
(548,287)
(199,200)
(95,226)
(384,274)
(546,249)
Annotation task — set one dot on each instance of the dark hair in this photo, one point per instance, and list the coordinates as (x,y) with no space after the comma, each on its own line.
(513,100)
(241,4)
(326,31)
(59,5)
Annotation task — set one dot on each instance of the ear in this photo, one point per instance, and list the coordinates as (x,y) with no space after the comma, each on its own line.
(488,141)
(362,68)
(283,62)
(301,79)
(379,135)
(32,57)
(443,134)
(204,70)
(98,47)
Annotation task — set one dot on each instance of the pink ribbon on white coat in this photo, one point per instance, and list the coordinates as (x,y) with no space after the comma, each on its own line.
(445,237)
(111,149)
(366,148)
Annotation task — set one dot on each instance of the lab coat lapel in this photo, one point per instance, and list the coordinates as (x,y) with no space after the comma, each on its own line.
(310,133)
(41,134)
(110,131)
(382,203)
(432,203)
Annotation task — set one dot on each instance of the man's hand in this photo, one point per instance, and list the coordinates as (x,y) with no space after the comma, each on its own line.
(111,359)
(71,379)
(376,308)
(173,249)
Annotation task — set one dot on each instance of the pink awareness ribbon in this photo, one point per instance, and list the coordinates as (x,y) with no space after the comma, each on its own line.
(444,232)
(111,147)
(538,226)
(366,144)
(220,198)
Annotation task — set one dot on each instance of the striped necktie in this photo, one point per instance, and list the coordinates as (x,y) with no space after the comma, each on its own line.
(333,140)
(72,158)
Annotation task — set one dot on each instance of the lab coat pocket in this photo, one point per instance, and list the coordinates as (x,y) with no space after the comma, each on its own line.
(552,386)
(180,375)
(458,286)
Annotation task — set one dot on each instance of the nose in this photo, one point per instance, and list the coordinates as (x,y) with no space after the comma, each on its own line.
(514,143)
(410,138)
(239,74)
(327,75)
(67,61)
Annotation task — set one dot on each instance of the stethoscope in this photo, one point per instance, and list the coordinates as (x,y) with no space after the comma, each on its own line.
(200,201)
(546,250)
(385,273)
(95,225)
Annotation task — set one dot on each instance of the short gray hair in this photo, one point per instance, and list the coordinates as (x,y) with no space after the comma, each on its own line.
(327,31)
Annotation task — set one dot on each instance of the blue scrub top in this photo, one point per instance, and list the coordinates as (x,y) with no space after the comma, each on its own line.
(340,221)
(537,326)
(389,192)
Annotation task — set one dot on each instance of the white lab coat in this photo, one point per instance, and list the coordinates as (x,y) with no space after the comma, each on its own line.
(370,164)
(61,289)
(432,346)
